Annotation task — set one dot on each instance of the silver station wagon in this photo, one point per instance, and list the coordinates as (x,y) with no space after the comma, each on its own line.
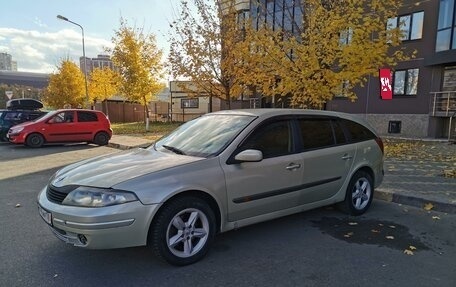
(219,172)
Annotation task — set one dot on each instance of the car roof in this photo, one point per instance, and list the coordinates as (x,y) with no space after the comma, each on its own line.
(264,113)
(79,110)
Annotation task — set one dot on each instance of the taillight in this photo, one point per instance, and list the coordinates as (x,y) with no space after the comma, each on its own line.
(380,144)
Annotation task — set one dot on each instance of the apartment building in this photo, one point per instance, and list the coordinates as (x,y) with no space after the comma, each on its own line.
(423,102)
(7,63)
(100,62)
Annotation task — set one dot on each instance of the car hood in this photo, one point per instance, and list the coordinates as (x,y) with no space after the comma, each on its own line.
(108,170)
(25,124)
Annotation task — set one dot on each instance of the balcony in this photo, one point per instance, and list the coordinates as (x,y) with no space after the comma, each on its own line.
(443,104)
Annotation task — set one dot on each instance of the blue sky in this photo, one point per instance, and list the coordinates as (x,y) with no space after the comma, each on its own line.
(37,40)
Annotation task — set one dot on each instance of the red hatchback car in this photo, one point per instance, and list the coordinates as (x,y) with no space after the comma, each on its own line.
(69,125)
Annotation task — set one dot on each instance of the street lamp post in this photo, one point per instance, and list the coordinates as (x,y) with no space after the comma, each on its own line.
(83,55)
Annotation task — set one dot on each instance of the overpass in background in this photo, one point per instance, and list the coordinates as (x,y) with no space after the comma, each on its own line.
(35,80)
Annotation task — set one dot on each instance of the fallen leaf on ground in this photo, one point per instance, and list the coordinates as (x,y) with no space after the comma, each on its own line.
(408,252)
(436,218)
(353,223)
(389,237)
(428,206)
(348,235)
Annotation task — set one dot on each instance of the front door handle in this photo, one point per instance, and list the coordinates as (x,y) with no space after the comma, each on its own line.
(347,156)
(293,166)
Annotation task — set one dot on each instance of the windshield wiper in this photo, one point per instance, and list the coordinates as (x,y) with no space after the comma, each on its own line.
(174,149)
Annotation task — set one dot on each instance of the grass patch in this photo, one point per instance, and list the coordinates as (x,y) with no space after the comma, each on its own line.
(138,129)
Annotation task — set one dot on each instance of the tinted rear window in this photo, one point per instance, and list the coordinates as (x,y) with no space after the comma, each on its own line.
(316,133)
(87,117)
(358,132)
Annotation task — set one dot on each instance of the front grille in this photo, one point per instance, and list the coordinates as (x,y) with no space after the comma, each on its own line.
(54,195)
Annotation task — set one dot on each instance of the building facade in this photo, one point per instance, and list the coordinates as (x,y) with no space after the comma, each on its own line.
(100,62)
(423,103)
(7,63)
(424,88)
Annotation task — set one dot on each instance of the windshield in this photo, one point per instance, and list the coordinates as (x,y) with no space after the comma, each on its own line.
(45,117)
(205,136)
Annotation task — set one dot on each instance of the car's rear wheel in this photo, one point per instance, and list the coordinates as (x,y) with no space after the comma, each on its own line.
(34,140)
(183,230)
(360,192)
(101,138)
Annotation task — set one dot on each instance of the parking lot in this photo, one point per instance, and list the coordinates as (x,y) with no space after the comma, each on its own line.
(391,245)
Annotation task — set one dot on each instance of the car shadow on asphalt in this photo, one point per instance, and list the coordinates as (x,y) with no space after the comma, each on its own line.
(12,151)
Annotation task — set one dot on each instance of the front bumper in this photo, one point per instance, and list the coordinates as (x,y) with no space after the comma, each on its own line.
(17,138)
(116,226)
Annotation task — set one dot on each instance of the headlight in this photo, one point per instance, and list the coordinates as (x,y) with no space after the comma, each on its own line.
(97,197)
(16,130)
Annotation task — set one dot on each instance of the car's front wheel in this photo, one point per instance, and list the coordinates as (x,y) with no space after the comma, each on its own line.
(183,230)
(34,140)
(360,192)
(3,137)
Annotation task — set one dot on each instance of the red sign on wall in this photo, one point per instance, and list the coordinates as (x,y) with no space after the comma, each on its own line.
(386,93)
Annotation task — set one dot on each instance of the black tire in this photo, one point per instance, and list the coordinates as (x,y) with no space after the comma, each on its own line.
(34,140)
(3,137)
(195,237)
(359,195)
(101,138)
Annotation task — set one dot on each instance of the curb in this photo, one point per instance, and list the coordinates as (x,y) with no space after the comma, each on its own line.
(414,201)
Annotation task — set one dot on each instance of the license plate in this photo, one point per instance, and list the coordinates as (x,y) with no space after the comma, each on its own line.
(47,216)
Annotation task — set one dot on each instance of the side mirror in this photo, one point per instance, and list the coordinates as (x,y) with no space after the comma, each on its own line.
(249,155)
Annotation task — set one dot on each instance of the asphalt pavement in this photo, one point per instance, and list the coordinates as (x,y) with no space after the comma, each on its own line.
(410,182)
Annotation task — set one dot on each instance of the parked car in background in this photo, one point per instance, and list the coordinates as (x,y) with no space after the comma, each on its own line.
(221,171)
(18,111)
(68,125)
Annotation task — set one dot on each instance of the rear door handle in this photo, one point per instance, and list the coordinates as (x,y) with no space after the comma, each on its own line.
(347,156)
(293,166)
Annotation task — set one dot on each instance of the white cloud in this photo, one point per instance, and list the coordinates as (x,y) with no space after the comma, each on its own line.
(40,24)
(37,51)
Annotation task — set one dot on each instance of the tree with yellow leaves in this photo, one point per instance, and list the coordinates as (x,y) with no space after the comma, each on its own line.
(203,48)
(66,87)
(103,84)
(138,58)
(334,47)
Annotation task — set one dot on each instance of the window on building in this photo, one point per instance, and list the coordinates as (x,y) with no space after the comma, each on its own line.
(406,82)
(344,87)
(446,32)
(242,17)
(190,103)
(345,37)
(254,11)
(278,22)
(270,13)
(411,25)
